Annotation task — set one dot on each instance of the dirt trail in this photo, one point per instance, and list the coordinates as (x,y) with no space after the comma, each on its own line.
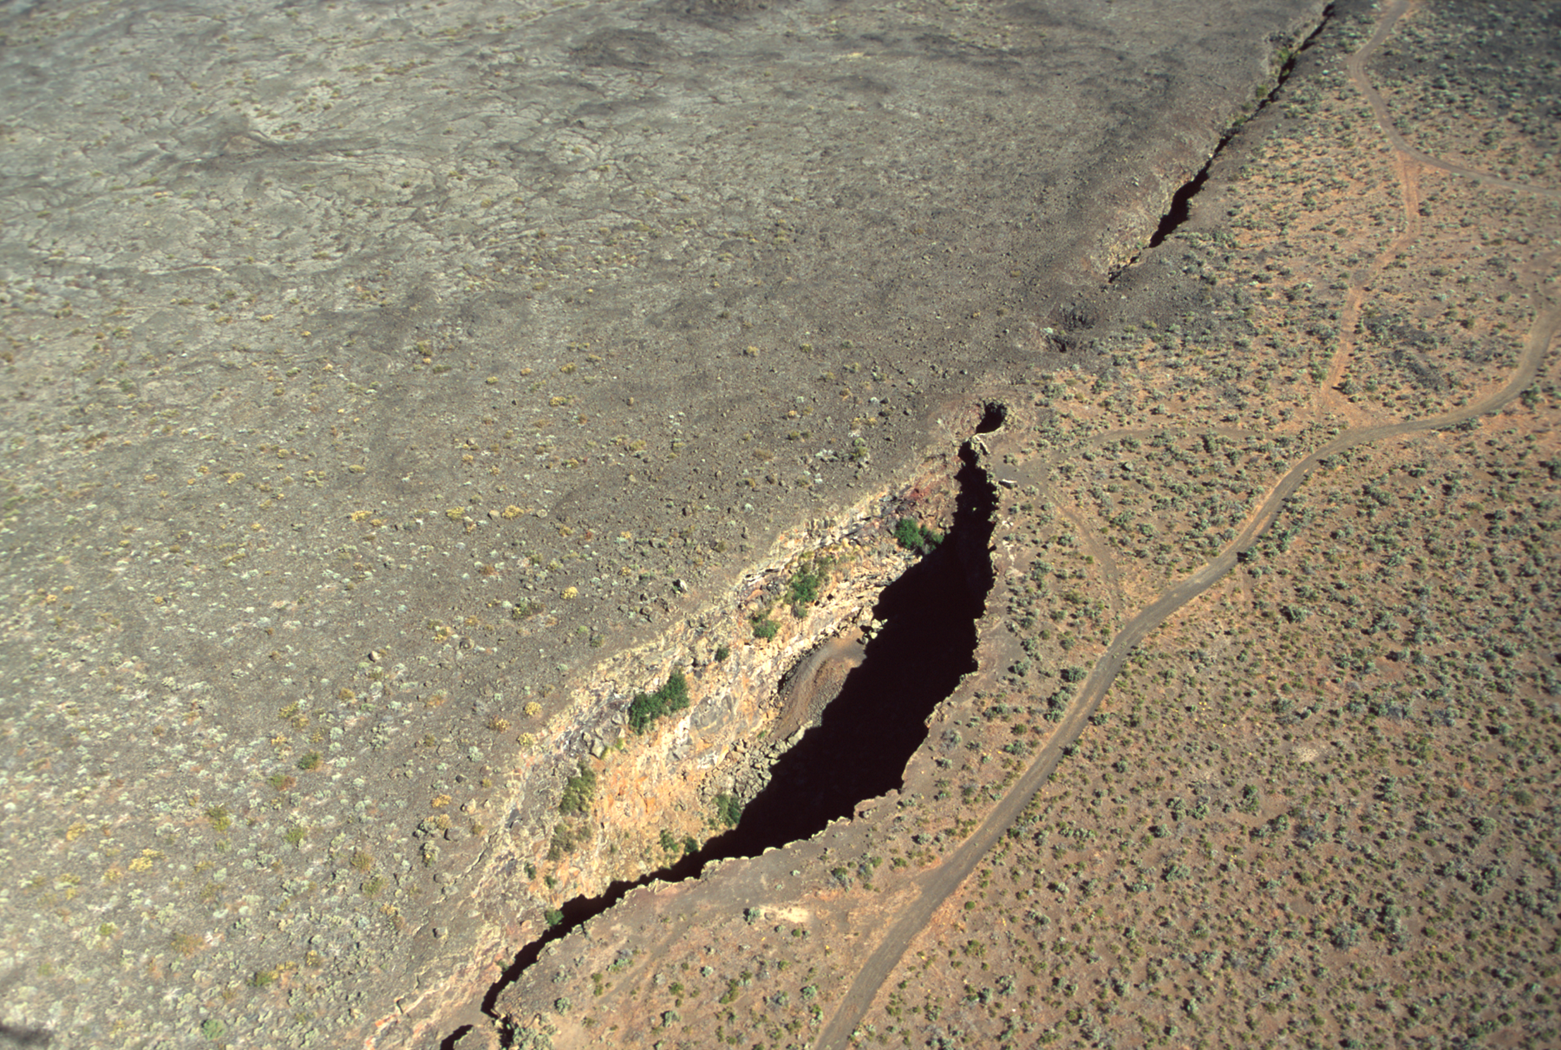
(1356,66)
(938,883)
(1407,163)
(1329,399)
(1095,545)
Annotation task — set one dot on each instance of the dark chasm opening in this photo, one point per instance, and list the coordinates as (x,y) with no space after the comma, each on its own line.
(867,734)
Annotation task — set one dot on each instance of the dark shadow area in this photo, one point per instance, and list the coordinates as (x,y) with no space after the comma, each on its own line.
(1181,204)
(868,733)
(454,1038)
(861,745)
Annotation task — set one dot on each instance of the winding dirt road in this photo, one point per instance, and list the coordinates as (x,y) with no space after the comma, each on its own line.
(1403,149)
(938,883)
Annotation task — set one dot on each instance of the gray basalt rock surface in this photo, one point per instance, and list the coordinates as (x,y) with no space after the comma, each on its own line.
(375,371)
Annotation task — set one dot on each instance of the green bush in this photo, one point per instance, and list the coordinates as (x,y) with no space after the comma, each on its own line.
(578,791)
(728,811)
(563,842)
(647,707)
(803,589)
(804,586)
(764,627)
(914,537)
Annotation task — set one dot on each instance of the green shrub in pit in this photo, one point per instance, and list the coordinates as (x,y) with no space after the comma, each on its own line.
(915,537)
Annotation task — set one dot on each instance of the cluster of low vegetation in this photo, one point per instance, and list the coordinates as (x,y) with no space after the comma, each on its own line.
(802,590)
(645,708)
(728,811)
(914,536)
(578,791)
(674,847)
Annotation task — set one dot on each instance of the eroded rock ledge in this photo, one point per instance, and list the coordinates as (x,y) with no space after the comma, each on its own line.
(666,778)
(657,781)
(659,787)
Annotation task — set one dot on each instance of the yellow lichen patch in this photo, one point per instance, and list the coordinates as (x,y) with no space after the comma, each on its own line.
(145,861)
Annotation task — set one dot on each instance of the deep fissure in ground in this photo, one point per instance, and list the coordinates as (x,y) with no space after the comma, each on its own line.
(867,734)
(1180,209)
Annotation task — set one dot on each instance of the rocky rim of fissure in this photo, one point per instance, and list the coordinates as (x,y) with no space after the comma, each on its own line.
(743,767)
(746,769)
(841,622)
(786,684)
